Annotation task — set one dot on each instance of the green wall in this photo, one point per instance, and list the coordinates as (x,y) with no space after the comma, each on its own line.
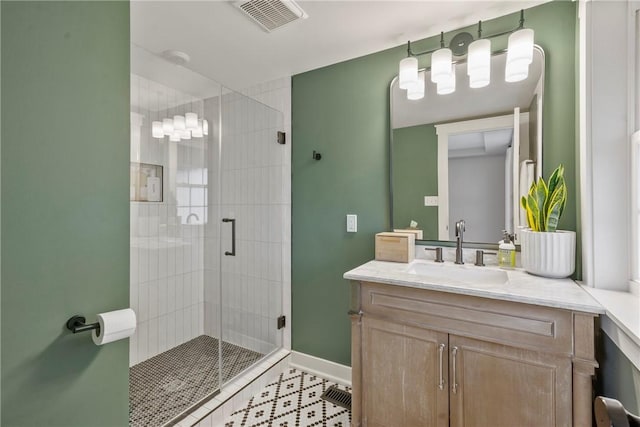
(65,210)
(617,377)
(415,145)
(342,112)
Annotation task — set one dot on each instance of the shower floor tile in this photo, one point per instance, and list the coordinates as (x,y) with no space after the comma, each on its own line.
(164,386)
(291,401)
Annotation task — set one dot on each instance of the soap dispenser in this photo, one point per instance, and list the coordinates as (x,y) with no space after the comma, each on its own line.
(506,252)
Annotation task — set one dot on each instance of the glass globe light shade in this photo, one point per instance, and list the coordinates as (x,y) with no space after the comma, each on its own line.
(408,72)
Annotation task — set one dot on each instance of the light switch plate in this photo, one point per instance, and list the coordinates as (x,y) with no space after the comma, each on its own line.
(352,223)
(431,200)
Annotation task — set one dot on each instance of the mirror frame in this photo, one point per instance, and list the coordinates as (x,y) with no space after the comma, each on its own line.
(538,169)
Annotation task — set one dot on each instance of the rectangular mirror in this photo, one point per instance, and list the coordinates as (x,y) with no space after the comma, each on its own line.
(466,155)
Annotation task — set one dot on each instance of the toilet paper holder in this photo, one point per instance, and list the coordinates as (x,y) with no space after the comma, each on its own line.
(77,324)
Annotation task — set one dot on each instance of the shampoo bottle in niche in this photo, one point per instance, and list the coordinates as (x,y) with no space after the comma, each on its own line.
(506,252)
(154,190)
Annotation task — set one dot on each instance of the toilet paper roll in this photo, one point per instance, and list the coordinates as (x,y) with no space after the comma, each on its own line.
(114,326)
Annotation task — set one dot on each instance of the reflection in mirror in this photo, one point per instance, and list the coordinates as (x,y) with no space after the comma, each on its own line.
(467,155)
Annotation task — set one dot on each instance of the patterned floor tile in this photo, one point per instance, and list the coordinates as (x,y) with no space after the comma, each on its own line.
(291,401)
(164,386)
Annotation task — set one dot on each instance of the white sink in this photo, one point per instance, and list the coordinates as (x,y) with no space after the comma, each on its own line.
(451,273)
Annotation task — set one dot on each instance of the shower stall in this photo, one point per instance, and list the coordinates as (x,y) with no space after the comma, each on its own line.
(207,208)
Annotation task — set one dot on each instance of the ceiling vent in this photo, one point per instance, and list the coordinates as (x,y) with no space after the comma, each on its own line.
(271,14)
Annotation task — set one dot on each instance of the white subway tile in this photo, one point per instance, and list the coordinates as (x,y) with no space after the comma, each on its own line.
(153,337)
(153,299)
(187,254)
(179,292)
(163,301)
(171,294)
(143,341)
(133,349)
(134,264)
(201,318)
(171,330)
(179,257)
(143,302)
(163,258)
(195,323)
(179,322)
(200,284)
(186,324)
(143,261)
(163,344)
(171,261)
(187,289)
(153,259)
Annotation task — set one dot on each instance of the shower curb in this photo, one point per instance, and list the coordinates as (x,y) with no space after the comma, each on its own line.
(235,393)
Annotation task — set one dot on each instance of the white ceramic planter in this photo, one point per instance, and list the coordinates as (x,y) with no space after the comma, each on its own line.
(549,254)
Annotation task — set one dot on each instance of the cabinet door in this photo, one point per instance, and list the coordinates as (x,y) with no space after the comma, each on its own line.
(404,375)
(495,385)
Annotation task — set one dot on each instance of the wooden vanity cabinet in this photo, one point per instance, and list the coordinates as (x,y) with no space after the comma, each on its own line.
(403,375)
(428,358)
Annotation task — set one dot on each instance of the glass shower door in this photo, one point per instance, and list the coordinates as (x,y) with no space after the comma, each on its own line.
(251,213)
(174,354)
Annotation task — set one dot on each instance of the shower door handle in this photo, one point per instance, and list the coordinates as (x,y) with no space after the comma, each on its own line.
(233,236)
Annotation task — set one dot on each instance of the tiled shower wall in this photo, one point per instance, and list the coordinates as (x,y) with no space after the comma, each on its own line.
(175,263)
(256,189)
(167,238)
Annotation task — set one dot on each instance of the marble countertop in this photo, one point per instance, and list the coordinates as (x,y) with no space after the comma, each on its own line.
(520,286)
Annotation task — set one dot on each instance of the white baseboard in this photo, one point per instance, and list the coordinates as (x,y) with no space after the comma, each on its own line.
(332,371)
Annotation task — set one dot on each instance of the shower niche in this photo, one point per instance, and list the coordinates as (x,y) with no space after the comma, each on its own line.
(205,312)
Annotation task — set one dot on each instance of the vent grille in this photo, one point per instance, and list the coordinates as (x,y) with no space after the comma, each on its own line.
(271,14)
(337,396)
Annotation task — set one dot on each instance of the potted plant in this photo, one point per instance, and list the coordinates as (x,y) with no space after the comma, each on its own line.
(546,251)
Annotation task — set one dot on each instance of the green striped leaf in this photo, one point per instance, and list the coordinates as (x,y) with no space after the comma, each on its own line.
(533,212)
(544,204)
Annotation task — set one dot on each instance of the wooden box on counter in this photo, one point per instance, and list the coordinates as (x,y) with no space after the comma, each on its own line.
(396,247)
(417,232)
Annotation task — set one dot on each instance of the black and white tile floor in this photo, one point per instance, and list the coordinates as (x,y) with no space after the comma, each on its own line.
(293,400)
(164,386)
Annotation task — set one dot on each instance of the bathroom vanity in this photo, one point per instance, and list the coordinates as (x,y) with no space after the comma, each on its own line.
(441,344)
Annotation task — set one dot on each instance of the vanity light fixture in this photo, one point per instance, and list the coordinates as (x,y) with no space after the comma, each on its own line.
(191,121)
(179,123)
(156,130)
(416,90)
(408,74)
(447,84)
(180,127)
(479,61)
(519,57)
(442,64)
(167,126)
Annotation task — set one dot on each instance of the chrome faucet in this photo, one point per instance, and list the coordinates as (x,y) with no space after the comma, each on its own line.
(459,236)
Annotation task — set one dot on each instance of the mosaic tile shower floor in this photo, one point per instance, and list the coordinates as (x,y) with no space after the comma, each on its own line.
(164,386)
(293,400)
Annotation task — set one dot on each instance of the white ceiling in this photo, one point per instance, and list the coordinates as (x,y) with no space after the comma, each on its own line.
(487,143)
(226,46)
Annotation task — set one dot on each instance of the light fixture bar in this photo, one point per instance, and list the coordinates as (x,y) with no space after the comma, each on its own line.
(520,26)
(478,52)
